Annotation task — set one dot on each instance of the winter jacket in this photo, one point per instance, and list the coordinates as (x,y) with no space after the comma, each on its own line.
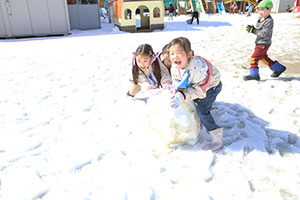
(264,31)
(201,71)
(169,69)
(171,9)
(143,80)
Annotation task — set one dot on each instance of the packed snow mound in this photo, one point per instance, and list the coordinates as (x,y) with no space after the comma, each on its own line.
(174,126)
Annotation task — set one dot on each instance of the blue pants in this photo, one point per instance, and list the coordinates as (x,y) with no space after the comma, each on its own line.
(219,8)
(203,107)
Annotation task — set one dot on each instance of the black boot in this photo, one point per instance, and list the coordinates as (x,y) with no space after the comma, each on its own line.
(277,69)
(276,74)
(254,75)
(249,78)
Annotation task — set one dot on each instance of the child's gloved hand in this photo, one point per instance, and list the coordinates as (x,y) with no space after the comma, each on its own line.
(250,29)
(168,86)
(135,88)
(176,100)
(154,92)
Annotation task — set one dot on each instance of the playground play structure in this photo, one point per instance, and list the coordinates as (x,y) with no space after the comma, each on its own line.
(208,6)
(136,15)
(211,6)
(296,7)
(242,4)
(143,15)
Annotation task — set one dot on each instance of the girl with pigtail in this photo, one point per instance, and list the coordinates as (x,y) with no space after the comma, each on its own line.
(147,71)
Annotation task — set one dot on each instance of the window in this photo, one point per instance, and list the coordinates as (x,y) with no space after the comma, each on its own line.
(156,12)
(146,12)
(128,14)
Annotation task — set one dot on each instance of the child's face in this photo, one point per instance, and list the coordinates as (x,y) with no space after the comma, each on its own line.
(264,12)
(166,60)
(143,61)
(178,57)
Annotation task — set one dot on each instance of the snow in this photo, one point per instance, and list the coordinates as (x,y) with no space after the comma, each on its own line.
(68,130)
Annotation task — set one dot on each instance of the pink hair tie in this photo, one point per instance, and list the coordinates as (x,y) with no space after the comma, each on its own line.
(133,58)
(154,58)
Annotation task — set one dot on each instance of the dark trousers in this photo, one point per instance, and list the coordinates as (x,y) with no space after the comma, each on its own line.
(195,15)
(260,54)
(204,106)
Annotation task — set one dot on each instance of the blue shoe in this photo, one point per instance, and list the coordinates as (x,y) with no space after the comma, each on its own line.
(254,75)
(277,69)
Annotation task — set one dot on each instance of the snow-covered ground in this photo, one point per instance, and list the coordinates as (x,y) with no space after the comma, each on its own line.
(68,130)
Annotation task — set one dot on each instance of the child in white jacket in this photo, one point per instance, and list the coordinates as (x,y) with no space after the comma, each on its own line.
(195,78)
(147,71)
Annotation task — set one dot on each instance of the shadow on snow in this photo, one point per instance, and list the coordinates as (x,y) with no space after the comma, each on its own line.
(244,131)
(286,79)
(194,26)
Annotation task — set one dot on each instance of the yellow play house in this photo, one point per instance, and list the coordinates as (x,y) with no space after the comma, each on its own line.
(137,15)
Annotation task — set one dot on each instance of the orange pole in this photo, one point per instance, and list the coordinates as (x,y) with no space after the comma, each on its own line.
(101,3)
(215,9)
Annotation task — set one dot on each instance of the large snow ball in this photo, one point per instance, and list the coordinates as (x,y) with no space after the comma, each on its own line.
(174,126)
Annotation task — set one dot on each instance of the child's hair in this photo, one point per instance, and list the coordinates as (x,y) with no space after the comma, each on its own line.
(146,50)
(165,49)
(183,42)
(166,60)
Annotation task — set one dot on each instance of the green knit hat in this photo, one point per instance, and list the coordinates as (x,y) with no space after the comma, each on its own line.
(265,4)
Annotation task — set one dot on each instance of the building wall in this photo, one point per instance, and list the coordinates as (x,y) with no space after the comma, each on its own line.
(281,5)
(133,5)
(22,18)
(84,16)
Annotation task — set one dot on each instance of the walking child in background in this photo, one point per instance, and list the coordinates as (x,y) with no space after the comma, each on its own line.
(171,12)
(289,8)
(195,78)
(147,71)
(198,7)
(195,14)
(249,9)
(220,6)
(233,7)
(165,58)
(263,32)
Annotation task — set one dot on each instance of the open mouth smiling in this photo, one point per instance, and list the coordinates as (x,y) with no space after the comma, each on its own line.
(177,62)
